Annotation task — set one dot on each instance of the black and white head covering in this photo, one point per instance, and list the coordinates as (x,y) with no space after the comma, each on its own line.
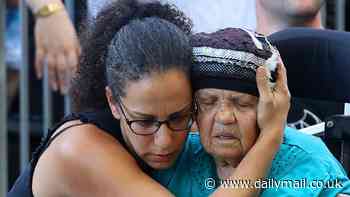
(229,58)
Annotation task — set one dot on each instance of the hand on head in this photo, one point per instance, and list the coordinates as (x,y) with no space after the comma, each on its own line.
(274,102)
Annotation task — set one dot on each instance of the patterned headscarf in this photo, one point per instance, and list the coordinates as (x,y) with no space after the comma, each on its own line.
(229,58)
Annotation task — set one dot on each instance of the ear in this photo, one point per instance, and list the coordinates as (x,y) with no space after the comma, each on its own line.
(112,104)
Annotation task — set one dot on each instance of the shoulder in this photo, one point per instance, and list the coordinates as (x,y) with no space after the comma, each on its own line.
(84,139)
(83,149)
(301,149)
(306,157)
(308,143)
(307,147)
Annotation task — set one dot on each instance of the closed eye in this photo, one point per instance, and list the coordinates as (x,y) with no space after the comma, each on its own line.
(207,101)
(245,105)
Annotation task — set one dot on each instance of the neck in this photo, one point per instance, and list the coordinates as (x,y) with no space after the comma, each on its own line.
(268,23)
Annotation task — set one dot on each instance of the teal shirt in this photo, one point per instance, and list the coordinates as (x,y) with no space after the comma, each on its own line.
(302,167)
(187,177)
(306,163)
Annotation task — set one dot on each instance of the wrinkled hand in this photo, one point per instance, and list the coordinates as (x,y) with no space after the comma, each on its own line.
(273,103)
(57,42)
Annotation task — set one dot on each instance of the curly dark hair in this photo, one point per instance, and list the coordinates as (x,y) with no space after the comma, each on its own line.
(127,41)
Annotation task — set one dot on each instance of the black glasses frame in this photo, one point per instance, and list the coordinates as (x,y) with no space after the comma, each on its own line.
(158,123)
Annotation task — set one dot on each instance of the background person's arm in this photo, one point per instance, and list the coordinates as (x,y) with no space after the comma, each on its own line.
(56,42)
(35,5)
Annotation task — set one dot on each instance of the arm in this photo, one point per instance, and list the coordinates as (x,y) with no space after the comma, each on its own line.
(56,41)
(273,109)
(35,5)
(88,162)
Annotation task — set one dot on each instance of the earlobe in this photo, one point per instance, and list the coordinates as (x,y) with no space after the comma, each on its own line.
(112,104)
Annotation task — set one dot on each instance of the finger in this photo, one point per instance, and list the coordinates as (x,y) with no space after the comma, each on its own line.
(51,63)
(39,62)
(72,61)
(282,87)
(262,81)
(282,82)
(62,71)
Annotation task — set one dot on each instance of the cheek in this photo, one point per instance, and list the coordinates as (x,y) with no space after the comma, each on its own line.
(205,125)
(249,132)
(135,143)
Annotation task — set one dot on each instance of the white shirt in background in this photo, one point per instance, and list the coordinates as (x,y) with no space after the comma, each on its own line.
(207,15)
(212,15)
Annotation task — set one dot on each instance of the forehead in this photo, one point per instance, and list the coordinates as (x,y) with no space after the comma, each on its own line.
(220,93)
(159,93)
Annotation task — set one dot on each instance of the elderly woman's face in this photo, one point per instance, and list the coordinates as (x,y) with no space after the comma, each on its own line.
(227,122)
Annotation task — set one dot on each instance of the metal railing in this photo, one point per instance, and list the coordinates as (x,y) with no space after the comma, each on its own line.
(3,105)
(70,5)
(340,15)
(24,89)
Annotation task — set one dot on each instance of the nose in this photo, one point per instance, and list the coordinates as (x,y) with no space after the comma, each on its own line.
(164,137)
(225,115)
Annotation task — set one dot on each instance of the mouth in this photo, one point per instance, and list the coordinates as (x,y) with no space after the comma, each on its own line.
(161,158)
(227,136)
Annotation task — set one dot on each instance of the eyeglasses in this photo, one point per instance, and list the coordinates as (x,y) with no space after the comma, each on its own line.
(149,127)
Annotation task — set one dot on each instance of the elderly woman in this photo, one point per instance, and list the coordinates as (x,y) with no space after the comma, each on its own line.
(226,63)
